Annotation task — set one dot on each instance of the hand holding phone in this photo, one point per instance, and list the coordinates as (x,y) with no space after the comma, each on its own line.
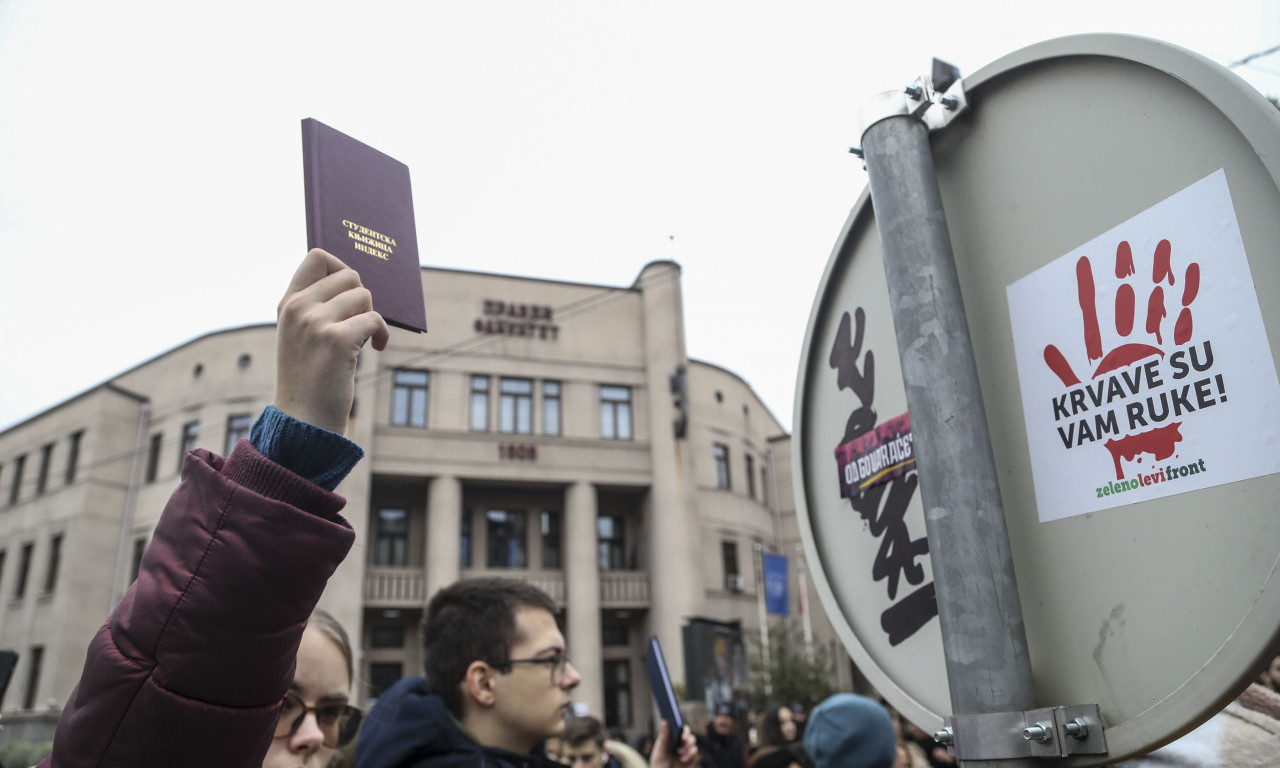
(663,693)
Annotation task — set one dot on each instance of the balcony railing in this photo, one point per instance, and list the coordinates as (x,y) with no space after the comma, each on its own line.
(389,587)
(624,589)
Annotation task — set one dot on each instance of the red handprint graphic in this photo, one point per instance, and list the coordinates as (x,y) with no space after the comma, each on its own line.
(1161,441)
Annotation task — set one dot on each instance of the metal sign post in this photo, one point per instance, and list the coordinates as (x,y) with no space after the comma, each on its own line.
(984,640)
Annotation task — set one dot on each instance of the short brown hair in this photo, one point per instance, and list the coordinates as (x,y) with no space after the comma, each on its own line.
(473,620)
(578,730)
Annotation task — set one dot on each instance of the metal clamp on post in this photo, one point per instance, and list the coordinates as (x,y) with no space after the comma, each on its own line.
(1048,732)
(935,100)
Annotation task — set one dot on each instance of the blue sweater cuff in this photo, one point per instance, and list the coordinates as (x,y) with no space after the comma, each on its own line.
(320,456)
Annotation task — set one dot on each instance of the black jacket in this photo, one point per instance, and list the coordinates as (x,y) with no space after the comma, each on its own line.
(409,727)
(722,751)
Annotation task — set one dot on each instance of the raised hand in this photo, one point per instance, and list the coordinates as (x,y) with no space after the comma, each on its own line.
(685,757)
(324,319)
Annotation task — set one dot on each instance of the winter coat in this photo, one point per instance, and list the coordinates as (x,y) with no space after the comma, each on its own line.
(722,751)
(193,664)
(1244,735)
(409,727)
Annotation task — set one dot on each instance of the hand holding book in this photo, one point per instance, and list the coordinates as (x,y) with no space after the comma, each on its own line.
(325,318)
(360,209)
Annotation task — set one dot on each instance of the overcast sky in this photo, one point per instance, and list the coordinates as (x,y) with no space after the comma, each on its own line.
(151,174)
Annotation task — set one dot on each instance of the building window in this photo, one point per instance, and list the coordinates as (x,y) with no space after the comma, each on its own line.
(721,453)
(153,457)
(729,559)
(464,540)
(73,455)
(515,406)
(2,553)
(615,412)
(764,484)
(551,540)
(617,693)
(610,542)
(15,485)
(383,675)
(386,636)
(506,532)
(392,537)
(238,425)
(24,566)
(409,399)
(55,560)
(139,548)
(615,635)
(190,437)
(42,479)
(551,408)
(479,403)
(33,676)
(751,476)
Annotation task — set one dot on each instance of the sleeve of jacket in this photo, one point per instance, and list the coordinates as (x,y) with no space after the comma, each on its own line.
(194,661)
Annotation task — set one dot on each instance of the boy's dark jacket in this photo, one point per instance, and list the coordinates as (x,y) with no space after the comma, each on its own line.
(409,727)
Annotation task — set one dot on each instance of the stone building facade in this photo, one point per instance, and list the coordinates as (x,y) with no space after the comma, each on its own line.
(550,431)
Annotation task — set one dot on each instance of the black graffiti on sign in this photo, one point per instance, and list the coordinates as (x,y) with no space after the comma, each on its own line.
(897,557)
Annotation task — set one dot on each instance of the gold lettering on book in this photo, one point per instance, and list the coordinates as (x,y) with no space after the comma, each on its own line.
(370,241)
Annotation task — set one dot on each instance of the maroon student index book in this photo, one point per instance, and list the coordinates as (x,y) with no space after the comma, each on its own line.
(360,209)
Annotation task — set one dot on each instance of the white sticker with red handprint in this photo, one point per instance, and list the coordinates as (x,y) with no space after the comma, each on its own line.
(1143,360)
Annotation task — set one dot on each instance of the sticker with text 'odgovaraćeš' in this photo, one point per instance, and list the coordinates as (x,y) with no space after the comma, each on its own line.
(1143,360)
(876,457)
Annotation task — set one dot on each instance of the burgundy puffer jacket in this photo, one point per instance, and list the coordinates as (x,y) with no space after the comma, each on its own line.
(192,665)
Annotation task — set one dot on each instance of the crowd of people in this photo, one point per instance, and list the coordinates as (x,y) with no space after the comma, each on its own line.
(218,656)
(844,731)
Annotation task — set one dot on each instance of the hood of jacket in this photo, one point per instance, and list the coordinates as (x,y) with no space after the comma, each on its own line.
(409,727)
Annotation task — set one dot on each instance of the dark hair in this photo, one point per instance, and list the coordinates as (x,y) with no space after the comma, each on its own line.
(578,730)
(473,620)
(771,728)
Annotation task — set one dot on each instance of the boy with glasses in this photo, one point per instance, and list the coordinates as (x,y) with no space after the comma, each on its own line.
(498,684)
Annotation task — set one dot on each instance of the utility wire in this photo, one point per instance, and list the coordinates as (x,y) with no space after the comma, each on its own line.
(1252,56)
(604,296)
(479,340)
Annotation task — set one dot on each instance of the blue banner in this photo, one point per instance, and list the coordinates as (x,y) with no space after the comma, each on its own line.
(775,584)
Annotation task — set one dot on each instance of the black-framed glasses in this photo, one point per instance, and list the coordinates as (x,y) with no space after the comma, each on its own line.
(558,664)
(338,722)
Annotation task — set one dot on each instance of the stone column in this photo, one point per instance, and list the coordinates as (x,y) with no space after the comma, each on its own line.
(582,594)
(444,527)
(676,588)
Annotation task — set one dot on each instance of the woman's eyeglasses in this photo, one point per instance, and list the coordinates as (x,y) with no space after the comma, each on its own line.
(338,722)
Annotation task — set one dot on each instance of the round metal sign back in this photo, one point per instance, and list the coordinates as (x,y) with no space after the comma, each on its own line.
(1114,209)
